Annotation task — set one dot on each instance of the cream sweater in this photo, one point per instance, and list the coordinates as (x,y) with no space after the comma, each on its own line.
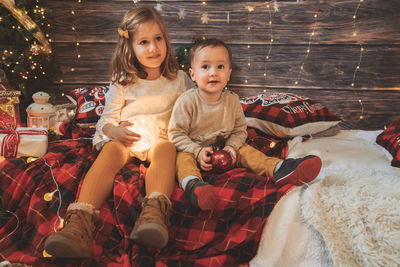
(149,102)
(195,123)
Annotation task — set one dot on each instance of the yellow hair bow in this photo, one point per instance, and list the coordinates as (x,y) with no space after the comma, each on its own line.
(123,33)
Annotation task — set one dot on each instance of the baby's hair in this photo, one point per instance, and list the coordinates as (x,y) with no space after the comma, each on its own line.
(124,65)
(212,42)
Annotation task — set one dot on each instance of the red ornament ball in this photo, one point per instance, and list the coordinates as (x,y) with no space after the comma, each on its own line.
(221,161)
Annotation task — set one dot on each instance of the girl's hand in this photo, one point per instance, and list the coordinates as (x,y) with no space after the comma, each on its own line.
(121,133)
(204,158)
(232,152)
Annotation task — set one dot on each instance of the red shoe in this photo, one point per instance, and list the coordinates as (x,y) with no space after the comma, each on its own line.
(298,171)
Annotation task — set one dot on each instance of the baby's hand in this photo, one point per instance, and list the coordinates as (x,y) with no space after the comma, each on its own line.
(121,133)
(204,158)
(232,152)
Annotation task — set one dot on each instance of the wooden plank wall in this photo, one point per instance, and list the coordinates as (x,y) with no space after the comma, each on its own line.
(324,28)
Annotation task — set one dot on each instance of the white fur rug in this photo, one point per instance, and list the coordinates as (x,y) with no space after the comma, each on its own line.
(349,217)
(357,213)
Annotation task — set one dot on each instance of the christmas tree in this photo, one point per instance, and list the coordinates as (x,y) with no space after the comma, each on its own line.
(26,55)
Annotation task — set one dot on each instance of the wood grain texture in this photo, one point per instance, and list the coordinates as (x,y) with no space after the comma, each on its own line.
(328,69)
(377,21)
(325,67)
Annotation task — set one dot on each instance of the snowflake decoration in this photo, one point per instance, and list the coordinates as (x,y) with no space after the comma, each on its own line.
(159,7)
(250,8)
(204,18)
(182,13)
(275,5)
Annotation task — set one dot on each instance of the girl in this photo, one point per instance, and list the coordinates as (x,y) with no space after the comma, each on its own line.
(144,86)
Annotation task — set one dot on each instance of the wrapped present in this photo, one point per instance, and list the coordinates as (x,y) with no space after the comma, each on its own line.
(22,141)
(9,100)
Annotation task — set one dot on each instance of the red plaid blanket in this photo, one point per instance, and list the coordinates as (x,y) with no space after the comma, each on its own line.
(226,235)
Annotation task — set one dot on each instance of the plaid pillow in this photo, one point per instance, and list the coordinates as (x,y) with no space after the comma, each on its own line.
(390,140)
(287,115)
(89,102)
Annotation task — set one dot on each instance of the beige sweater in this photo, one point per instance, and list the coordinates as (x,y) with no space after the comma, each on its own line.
(195,123)
(149,101)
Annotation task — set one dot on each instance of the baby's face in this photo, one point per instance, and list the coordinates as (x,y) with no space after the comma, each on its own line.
(211,70)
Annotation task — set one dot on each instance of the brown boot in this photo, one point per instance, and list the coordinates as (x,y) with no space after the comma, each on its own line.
(75,239)
(150,228)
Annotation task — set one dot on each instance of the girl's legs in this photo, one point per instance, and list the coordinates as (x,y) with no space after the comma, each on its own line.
(99,180)
(160,176)
(75,239)
(151,227)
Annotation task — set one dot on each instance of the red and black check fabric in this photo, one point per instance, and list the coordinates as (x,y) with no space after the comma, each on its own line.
(89,103)
(268,144)
(227,235)
(390,140)
(286,109)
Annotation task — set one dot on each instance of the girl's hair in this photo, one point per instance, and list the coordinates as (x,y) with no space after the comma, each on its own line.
(124,64)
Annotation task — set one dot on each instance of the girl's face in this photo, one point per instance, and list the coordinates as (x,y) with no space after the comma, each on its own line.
(150,48)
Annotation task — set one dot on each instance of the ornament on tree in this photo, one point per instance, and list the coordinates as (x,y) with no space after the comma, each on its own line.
(35,49)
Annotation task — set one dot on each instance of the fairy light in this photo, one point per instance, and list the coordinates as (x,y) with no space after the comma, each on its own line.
(271,40)
(362,109)
(250,9)
(358,66)
(308,50)
(16,227)
(58,223)
(74,29)
(361,46)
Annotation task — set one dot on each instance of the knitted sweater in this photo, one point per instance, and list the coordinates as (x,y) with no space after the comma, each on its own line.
(195,123)
(150,102)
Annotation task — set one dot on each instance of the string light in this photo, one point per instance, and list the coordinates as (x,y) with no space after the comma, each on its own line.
(271,40)
(250,9)
(16,227)
(362,109)
(59,222)
(357,68)
(74,29)
(308,50)
(361,46)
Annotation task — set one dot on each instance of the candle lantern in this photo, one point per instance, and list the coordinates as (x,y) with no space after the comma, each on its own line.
(41,114)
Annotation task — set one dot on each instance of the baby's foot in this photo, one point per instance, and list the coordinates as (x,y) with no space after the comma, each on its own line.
(298,171)
(201,194)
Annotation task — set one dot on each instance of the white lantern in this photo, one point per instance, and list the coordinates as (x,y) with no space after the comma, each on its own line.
(41,114)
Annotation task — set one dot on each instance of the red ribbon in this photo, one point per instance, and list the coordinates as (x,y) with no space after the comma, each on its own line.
(9,146)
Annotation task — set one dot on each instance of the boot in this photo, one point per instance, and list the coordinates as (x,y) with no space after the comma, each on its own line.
(298,171)
(75,239)
(150,229)
(201,194)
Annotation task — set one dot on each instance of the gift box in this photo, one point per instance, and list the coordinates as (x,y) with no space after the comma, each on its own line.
(22,141)
(9,100)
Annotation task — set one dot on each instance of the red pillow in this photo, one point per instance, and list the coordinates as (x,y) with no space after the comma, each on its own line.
(89,103)
(390,140)
(287,115)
